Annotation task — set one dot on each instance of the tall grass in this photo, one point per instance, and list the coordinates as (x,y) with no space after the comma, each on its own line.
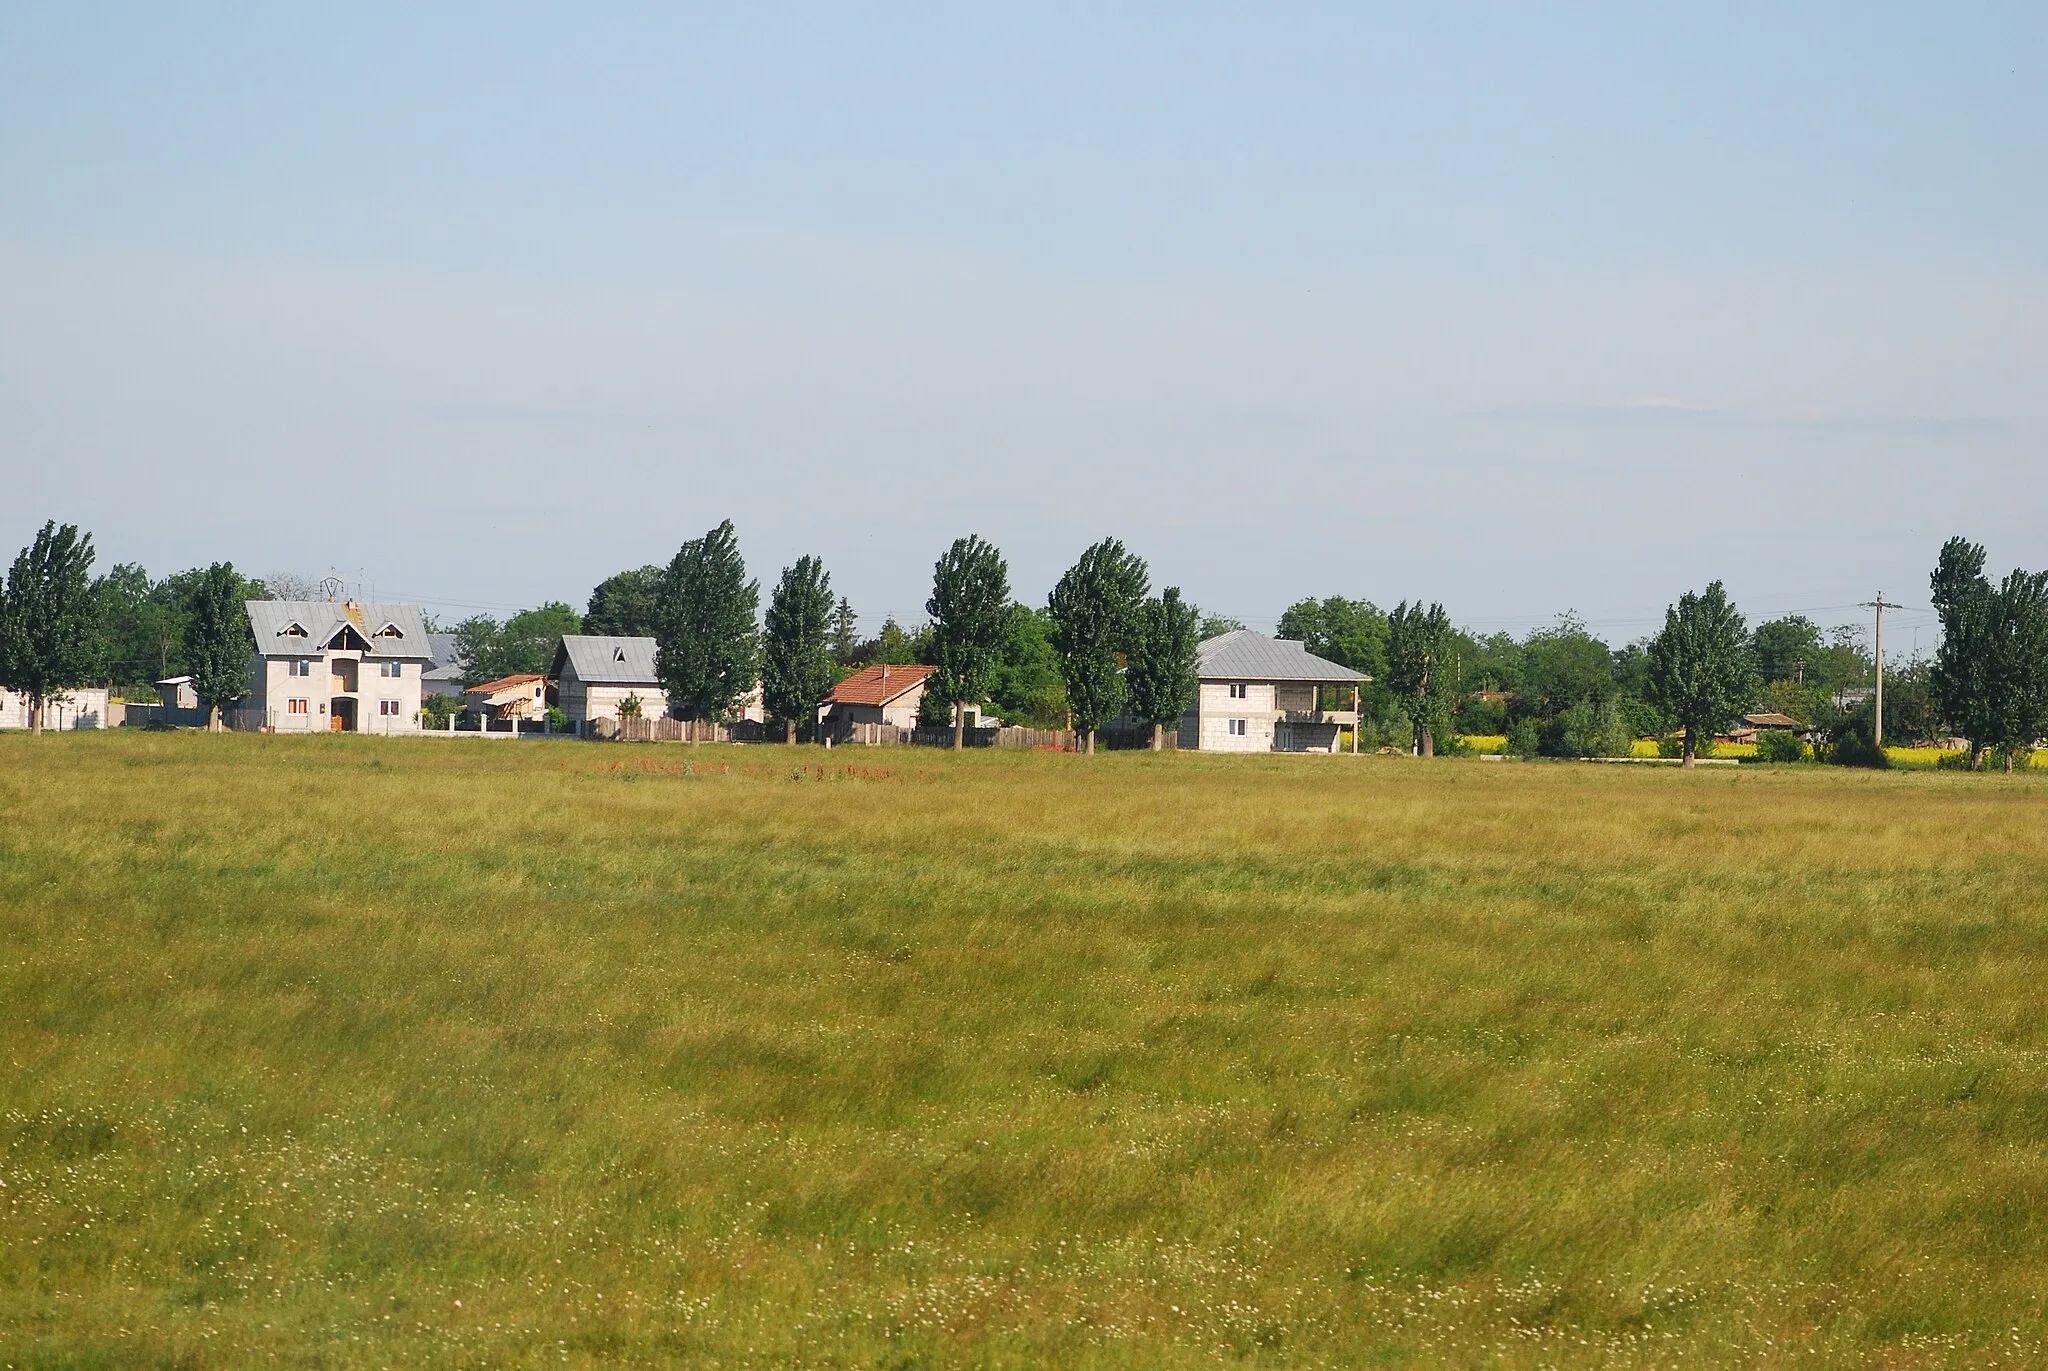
(347,1052)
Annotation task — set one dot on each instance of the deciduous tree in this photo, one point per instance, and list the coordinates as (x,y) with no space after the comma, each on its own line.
(627,605)
(1702,670)
(708,647)
(1095,612)
(1162,673)
(1417,674)
(217,642)
(49,630)
(797,670)
(970,609)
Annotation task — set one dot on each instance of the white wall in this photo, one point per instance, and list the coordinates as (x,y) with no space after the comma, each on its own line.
(85,707)
(1215,708)
(277,688)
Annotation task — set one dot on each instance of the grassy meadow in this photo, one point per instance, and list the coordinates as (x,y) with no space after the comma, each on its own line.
(345,1052)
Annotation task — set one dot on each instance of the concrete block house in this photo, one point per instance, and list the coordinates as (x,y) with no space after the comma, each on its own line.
(1261,694)
(322,666)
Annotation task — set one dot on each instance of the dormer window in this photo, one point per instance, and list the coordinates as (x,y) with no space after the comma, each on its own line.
(390,631)
(292,630)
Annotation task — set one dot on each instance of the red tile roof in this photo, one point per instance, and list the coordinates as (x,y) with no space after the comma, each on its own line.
(878,684)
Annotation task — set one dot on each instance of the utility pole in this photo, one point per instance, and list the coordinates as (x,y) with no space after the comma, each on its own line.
(1880,605)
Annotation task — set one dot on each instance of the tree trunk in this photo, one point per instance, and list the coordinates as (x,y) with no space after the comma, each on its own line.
(1158,737)
(2008,761)
(790,735)
(1091,742)
(959,725)
(213,718)
(1428,743)
(1691,747)
(1976,757)
(35,716)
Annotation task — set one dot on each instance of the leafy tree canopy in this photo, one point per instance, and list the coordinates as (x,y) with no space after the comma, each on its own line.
(797,670)
(49,628)
(970,609)
(1095,612)
(217,640)
(708,647)
(1027,688)
(1163,675)
(627,605)
(1702,670)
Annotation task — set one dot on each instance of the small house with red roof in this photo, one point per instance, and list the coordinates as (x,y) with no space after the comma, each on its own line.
(879,693)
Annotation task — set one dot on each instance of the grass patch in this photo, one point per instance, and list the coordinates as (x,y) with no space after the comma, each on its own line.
(356,1052)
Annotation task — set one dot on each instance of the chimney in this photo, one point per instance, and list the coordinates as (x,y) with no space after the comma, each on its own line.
(885,673)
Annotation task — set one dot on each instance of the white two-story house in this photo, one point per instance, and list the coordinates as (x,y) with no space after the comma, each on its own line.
(1262,694)
(324,666)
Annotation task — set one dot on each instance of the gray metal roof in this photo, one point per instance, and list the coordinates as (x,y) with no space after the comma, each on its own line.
(322,619)
(447,664)
(1242,655)
(600,659)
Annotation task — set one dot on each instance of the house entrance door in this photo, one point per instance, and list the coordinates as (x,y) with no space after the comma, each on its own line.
(341,716)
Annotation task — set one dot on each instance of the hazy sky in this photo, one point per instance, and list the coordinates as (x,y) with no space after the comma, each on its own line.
(1523,309)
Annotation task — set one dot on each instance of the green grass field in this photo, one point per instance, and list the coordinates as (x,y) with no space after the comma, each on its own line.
(341,1052)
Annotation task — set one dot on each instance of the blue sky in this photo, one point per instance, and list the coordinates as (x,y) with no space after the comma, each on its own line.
(1519,310)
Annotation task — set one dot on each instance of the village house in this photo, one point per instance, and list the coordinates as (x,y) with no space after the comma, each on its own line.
(880,693)
(1261,694)
(323,666)
(523,695)
(595,673)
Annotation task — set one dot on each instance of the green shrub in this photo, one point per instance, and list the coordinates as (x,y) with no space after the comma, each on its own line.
(1524,739)
(1779,745)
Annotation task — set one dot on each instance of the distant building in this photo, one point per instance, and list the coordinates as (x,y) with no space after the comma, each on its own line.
(594,674)
(1261,694)
(880,693)
(520,696)
(445,668)
(320,666)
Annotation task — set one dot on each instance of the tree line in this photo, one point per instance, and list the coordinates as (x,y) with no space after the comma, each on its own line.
(1103,646)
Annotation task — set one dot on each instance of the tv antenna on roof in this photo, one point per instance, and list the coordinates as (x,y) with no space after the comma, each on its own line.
(332,585)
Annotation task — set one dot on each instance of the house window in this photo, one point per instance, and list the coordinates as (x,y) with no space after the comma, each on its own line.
(391,670)
(295,707)
(1240,691)
(1237,729)
(390,708)
(302,667)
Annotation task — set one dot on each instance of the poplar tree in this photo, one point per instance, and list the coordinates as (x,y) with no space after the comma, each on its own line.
(1964,664)
(49,628)
(796,654)
(970,615)
(707,647)
(218,646)
(1096,613)
(1416,675)
(1701,669)
(1162,675)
